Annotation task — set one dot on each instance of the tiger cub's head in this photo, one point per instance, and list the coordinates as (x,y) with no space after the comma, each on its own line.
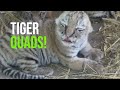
(72,29)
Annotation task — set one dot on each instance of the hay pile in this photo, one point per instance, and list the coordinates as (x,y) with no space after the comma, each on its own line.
(111,48)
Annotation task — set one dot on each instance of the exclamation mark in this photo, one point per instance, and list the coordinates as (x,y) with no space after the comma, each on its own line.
(45,41)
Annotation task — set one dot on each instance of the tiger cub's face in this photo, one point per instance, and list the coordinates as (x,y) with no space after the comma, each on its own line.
(72,29)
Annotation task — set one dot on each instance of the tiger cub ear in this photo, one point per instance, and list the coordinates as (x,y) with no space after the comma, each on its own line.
(89,27)
(57,21)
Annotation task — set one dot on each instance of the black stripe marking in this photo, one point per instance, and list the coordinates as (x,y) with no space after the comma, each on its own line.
(20,75)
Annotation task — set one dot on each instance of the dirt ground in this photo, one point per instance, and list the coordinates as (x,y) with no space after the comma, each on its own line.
(60,72)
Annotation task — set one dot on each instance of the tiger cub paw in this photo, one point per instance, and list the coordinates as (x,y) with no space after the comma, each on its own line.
(86,64)
(95,54)
(93,66)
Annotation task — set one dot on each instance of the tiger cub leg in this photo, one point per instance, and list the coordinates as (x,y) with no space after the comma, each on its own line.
(76,63)
(26,65)
(92,53)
